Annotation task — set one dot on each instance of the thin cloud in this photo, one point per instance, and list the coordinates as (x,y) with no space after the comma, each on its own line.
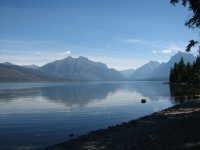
(163,51)
(65,53)
(168,46)
(15,52)
(133,41)
(22,60)
(176,47)
(19,42)
(166,51)
(25,52)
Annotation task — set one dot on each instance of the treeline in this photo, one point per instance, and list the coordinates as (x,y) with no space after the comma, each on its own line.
(186,73)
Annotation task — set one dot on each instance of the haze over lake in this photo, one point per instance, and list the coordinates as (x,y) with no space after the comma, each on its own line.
(35,115)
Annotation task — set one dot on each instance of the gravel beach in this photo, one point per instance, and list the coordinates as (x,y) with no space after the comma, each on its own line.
(175,128)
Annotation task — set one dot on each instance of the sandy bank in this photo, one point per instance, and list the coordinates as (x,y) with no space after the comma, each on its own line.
(177,127)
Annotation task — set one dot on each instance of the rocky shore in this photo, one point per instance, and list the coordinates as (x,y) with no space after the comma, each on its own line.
(175,128)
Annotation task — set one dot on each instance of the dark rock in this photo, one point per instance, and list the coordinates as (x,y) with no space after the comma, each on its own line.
(143,101)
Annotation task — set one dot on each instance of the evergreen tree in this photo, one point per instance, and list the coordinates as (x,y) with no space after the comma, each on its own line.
(192,74)
(176,72)
(196,71)
(188,71)
(171,76)
(181,70)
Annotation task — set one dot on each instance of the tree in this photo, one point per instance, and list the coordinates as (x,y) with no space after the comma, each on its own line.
(188,72)
(171,76)
(185,73)
(181,70)
(196,69)
(194,21)
(176,72)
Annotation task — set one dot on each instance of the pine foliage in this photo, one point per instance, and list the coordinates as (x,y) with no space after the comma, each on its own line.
(185,73)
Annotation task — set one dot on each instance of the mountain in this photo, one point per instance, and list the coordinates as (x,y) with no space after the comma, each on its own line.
(7,63)
(127,73)
(144,70)
(31,66)
(162,72)
(14,73)
(81,68)
(26,66)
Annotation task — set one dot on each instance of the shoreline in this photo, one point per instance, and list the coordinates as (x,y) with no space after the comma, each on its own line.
(177,127)
(184,84)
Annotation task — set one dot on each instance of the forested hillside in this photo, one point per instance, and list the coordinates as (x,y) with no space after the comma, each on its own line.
(186,73)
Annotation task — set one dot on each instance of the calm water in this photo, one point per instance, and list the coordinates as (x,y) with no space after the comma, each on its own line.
(35,115)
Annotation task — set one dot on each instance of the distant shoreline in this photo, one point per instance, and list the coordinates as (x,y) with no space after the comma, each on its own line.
(186,84)
(175,83)
(176,127)
(75,80)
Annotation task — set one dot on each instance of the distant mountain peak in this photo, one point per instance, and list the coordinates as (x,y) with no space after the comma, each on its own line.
(83,58)
(69,57)
(81,68)
(183,54)
(127,72)
(153,61)
(180,54)
(7,63)
(162,72)
(144,70)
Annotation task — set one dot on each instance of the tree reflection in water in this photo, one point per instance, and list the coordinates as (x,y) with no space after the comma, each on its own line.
(183,93)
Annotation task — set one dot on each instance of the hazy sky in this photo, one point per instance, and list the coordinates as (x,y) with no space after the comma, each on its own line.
(123,34)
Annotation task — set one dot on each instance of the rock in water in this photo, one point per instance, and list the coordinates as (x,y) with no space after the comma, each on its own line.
(143,101)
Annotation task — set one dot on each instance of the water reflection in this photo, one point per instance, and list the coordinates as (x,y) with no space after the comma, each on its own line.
(79,94)
(183,93)
(82,94)
(54,111)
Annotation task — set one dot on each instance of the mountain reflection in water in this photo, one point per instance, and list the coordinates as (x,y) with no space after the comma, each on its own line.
(82,94)
(32,112)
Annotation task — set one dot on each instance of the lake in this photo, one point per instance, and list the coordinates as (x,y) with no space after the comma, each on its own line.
(36,115)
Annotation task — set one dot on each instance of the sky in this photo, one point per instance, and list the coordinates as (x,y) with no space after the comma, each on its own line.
(121,34)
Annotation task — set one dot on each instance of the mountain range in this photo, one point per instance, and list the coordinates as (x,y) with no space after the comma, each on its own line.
(163,70)
(26,66)
(144,70)
(127,73)
(83,69)
(156,71)
(14,73)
